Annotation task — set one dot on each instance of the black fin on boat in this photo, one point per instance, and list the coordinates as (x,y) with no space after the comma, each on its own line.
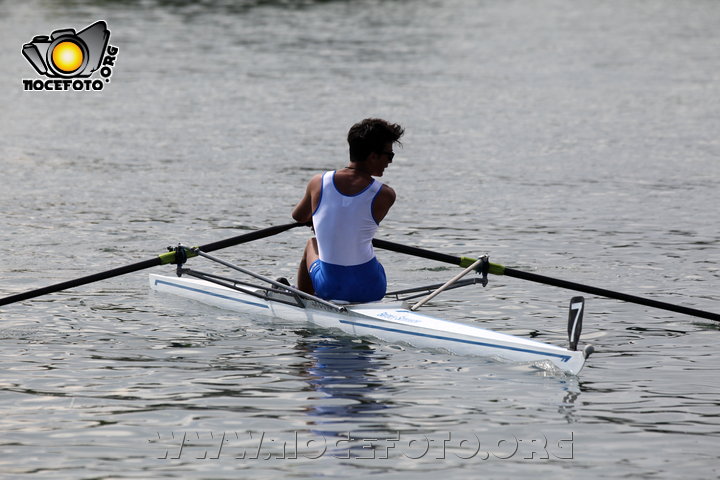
(575,316)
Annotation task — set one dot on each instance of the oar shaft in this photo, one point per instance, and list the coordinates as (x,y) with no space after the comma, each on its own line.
(162,259)
(533,277)
(19,297)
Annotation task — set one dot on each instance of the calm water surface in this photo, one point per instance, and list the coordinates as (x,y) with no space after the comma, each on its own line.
(573,139)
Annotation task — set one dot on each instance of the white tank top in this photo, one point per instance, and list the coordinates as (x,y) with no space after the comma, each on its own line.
(344,224)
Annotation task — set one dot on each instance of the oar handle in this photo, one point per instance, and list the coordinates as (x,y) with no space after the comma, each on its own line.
(494,268)
(251,236)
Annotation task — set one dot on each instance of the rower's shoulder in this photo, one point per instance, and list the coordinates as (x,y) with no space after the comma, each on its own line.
(315,182)
(385,198)
(388,192)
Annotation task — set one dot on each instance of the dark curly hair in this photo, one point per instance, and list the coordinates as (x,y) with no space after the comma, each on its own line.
(371,135)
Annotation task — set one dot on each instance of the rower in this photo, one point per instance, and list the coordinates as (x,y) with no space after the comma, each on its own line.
(346,206)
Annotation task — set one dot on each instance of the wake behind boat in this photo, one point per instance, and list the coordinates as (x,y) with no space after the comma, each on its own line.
(387,321)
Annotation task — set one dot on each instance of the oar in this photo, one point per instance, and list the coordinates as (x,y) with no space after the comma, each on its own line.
(497,269)
(161,259)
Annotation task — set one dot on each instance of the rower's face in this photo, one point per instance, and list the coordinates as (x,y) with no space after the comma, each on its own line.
(379,161)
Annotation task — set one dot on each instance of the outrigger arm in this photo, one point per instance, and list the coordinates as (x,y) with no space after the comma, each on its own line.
(299,293)
(481,265)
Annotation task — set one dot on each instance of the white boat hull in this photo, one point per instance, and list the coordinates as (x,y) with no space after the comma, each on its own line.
(387,321)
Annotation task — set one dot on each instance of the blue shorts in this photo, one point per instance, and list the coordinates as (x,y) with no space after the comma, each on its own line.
(355,284)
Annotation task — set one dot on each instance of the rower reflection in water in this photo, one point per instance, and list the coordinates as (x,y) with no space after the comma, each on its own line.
(344,370)
(346,206)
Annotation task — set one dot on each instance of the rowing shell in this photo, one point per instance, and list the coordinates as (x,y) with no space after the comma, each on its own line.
(390,322)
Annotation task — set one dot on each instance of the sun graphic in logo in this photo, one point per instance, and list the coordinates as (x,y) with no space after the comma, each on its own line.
(67,56)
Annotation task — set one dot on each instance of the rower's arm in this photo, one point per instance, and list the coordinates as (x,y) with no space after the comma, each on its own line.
(303,210)
(383,202)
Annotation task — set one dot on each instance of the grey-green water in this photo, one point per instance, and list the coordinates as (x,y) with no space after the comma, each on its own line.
(574,139)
